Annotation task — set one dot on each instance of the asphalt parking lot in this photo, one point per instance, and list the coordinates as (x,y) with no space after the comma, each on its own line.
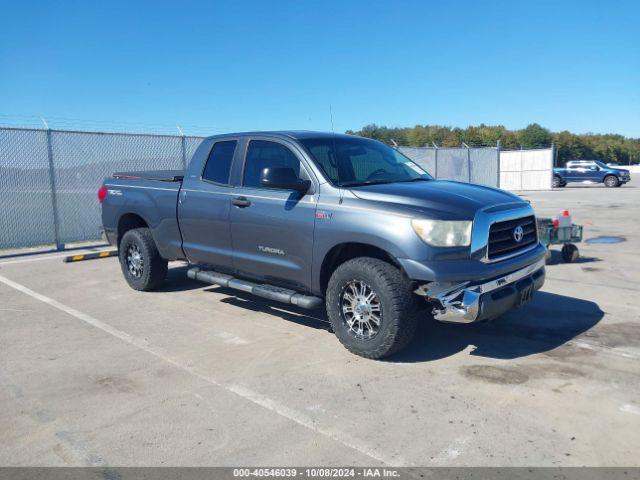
(94,373)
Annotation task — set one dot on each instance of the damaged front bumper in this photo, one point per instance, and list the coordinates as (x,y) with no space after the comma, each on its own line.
(466,302)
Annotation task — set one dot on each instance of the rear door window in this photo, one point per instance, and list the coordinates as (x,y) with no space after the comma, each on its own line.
(219,162)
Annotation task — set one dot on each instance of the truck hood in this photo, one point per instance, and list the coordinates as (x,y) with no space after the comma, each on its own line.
(447,198)
(622,170)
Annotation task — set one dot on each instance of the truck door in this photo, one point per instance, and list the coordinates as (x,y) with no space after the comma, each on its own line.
(203,208)
(594,173)
(272,229)
(574,173)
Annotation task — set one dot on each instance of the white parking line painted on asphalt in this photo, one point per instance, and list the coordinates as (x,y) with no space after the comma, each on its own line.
(628,408)
(621,352)
(232,339)
(31,259)
(38,258)
(241,391)
(456,447)
(310,423)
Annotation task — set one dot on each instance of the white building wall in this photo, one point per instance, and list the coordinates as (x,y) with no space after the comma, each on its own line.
(526,169)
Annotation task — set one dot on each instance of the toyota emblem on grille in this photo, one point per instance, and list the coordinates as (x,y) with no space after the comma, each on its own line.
(518,233)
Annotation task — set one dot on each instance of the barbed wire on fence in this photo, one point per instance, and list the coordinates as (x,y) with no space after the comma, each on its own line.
(107,126)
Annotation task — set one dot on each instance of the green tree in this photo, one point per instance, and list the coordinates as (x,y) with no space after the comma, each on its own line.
(570,146)
(534,136)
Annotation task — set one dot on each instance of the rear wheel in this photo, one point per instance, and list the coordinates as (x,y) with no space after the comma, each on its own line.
(611,181)
(371,307)
(557,182)
(143,267)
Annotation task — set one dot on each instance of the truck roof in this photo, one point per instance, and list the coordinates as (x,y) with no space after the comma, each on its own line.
(295,134)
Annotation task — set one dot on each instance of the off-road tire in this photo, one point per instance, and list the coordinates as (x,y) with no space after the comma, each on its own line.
(398,305)
(611,181)
(557,182)
(154,267)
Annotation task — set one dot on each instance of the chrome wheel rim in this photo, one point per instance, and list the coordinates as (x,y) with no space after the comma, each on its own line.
(361,310)
(135,261)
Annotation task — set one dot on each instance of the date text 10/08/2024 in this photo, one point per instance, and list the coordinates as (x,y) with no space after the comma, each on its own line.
(316,472)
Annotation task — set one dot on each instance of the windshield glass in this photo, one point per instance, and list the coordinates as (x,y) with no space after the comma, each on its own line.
(349,162)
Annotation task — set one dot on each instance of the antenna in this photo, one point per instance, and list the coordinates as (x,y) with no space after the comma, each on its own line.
(180,130)
(333,153)
(331,117)
(46,125)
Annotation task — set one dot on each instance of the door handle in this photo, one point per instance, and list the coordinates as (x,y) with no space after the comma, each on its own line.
(241,202)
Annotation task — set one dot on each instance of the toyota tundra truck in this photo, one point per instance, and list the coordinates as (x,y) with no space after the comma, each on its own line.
(310,218)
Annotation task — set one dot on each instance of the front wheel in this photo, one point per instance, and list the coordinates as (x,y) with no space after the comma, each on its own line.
(371,307)
(143,267)
(611,181)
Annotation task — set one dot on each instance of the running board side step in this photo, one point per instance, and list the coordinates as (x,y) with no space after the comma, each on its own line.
(270,292)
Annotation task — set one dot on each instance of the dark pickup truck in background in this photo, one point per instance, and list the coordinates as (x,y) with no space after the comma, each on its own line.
(310,218)
(590,171)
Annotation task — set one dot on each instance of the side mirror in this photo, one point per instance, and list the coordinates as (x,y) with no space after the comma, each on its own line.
(284,178)
(593,167)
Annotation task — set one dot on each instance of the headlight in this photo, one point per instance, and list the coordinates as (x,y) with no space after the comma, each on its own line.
(443,233)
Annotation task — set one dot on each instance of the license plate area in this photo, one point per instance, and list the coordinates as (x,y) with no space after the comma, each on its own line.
(525,292)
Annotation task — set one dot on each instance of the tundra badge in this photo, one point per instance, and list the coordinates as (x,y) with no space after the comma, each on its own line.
(271,250)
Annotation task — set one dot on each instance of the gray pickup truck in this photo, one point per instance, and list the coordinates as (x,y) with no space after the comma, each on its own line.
(309,218)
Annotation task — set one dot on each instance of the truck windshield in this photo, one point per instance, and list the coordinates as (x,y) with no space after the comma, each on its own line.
(349,162)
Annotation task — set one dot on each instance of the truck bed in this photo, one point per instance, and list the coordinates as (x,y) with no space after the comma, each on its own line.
(148,197)
(152,175)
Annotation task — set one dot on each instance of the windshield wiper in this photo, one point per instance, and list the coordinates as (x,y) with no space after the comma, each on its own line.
(365,182)
(419,179)
(383,182)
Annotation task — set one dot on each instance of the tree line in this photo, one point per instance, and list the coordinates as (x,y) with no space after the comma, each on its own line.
(569,146)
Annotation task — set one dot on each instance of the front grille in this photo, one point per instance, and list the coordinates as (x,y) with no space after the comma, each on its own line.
(501,237)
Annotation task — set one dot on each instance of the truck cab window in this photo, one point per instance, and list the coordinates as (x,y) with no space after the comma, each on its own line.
(262,154)
(358,161)
(219,162)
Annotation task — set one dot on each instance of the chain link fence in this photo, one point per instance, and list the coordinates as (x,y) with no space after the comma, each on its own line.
(49,179)
(473,165)
(513,170)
